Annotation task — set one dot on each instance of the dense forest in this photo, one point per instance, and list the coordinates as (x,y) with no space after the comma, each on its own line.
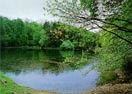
(17,33)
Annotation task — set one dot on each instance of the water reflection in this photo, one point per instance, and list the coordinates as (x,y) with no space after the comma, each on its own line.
(64,71)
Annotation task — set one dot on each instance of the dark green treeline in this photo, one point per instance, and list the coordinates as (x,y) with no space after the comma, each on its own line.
(17,33)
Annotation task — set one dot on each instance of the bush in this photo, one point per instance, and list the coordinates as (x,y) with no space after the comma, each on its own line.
(67,45)
(43,39)
(106,77)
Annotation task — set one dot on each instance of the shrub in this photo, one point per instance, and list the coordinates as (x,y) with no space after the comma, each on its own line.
(106,77)
(67,45)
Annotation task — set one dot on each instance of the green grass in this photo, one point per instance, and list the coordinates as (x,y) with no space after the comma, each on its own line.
(7,86)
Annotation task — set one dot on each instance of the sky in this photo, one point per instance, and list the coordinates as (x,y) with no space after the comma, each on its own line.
(24,9)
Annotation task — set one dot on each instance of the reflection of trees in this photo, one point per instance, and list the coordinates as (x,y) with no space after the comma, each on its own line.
(54,67)
(56,62)
(67,53)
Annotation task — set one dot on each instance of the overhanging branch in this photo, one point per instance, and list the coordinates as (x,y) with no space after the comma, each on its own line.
(130,42)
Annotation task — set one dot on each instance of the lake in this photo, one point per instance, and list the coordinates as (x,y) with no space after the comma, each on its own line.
(63,71)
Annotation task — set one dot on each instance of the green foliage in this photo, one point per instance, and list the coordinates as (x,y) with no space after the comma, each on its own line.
(17,33)
(66,45)
(126,9)
(58,32)
(107,77)
(89,4)
(43,39)
(115,51)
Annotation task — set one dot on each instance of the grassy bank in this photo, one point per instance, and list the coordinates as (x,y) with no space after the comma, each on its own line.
(7,86)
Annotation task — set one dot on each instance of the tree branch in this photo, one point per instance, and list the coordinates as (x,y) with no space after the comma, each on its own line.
(115,34)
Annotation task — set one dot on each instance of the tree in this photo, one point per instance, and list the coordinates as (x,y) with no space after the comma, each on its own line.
(95,14)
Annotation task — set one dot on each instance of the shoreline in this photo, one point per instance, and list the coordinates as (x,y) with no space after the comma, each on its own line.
(47,48)
(8,86)
(124,88)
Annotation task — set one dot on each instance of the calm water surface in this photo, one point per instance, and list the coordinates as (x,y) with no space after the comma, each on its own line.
(63,71)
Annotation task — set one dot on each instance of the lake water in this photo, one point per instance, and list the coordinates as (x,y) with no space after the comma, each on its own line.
(63,71)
